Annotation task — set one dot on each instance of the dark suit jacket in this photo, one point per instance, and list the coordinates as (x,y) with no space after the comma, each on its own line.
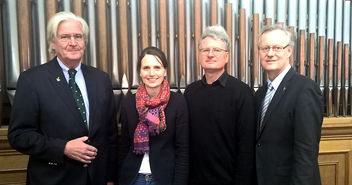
(287,147)
(168,153)
(45,117)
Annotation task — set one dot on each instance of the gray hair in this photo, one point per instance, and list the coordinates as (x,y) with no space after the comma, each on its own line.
(216,32)
(269,28)
(54,22)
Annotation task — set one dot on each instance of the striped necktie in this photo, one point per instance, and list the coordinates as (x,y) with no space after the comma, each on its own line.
(268,96)
(77,95)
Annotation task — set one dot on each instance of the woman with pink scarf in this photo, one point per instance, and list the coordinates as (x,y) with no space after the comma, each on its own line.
(154,136)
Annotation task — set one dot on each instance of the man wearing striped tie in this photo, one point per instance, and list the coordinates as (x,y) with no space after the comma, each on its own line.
(290,114)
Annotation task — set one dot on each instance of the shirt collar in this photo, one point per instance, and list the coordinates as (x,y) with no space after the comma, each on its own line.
(276,82)
(65,68)
(221,80)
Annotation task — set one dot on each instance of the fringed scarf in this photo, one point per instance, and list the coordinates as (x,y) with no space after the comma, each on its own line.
(151,116)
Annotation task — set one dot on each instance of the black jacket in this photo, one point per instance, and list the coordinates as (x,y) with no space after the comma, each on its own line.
(45,117)
(287,146)
(168,151)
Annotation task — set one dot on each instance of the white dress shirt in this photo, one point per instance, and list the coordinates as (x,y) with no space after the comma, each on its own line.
(79,78)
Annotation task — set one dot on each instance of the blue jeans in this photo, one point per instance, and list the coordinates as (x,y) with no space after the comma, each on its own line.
(143,179)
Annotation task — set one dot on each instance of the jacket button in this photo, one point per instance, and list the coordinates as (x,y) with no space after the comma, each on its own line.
(259,145)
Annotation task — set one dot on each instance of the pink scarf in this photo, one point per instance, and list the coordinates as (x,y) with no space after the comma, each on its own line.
(151,116)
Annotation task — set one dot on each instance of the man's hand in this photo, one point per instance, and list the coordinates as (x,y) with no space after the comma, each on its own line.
(78,150)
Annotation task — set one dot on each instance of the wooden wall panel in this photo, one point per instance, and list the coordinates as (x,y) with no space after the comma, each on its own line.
(230,64)
(335,155)
(163,26)
(163,29)
(327,172)
(2,72)
(124,41)
(50,10)
(197,37)
(242,43)
(25,34)
(181,44)
(255,53)
(321,61)
(311,58)
(214,12)
(301,49)
(333,167)
(292,57)
(77,7)
(144,23)
(337,88)
(345,80)
(330,54)
(13,167)
(102,36)
(268,21)
(13,164)
(336,151)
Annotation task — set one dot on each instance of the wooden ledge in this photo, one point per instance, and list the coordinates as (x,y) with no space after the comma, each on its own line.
(334,127)
(4,145)
(337,128)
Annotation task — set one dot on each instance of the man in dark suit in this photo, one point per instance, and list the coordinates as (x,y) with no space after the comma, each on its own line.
(290,114)
(64,114)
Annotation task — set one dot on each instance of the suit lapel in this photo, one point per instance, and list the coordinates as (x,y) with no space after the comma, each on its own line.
(276,99)
(58,80)
(92,94)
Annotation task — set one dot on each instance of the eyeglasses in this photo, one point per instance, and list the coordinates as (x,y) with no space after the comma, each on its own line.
(68,37)
(276,49)
(216,51)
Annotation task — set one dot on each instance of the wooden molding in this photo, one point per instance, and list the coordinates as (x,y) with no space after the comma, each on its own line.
(4,145)
(337,128)
(334,167)
(334,154)
(13,166)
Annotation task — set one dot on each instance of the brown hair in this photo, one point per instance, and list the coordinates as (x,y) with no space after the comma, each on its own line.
(158,53)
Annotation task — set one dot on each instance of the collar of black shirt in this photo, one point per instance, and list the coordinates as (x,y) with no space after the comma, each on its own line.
(220,81)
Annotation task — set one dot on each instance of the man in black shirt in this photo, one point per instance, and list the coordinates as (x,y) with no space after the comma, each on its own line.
(222,118)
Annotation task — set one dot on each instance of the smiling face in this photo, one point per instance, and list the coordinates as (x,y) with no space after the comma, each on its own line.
(274,62)
(68,45)
(152,73)
(213,55)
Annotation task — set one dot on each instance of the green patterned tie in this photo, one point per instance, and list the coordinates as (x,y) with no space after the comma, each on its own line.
(77,95)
